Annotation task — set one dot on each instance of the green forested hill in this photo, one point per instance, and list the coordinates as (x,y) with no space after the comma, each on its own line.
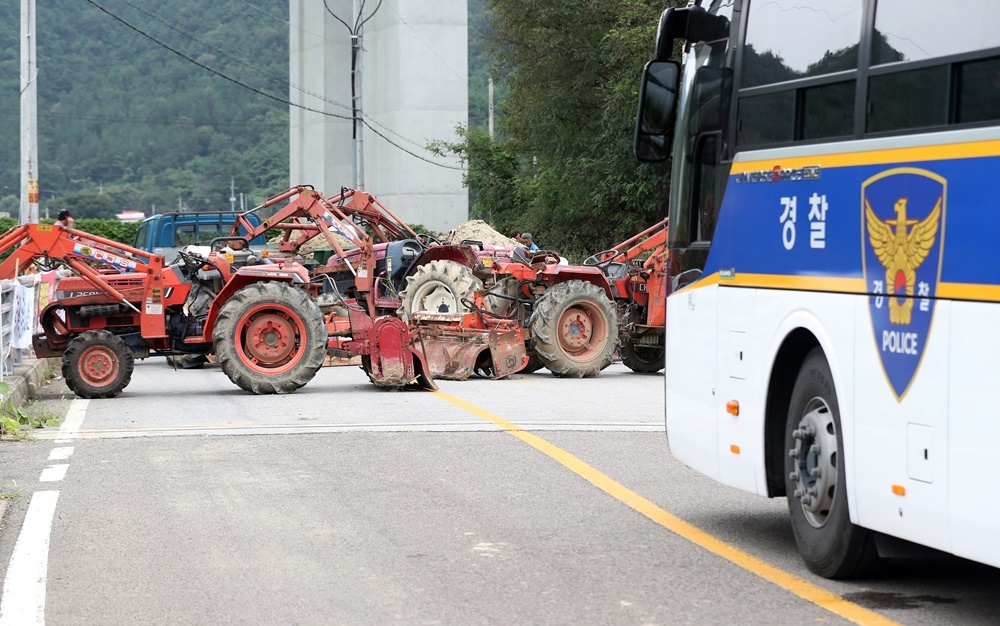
(125,123)
(120,114)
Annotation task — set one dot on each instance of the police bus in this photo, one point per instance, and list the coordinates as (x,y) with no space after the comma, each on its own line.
(833,331)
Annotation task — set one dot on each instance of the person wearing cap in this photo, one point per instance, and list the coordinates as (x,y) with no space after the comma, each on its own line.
(65,219)
(527,242)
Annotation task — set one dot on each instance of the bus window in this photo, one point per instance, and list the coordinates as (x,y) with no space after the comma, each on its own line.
(903,100)
(979,91)
(828,111)
(905,34)
(705,206)
(771,56)
(766,119)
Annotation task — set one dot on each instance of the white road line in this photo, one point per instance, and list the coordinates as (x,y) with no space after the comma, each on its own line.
(61,454)
(23,600)
(74,418)
(53,473)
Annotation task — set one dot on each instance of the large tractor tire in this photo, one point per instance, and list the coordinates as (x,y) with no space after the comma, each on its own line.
(815,482)
(97,364)
(438,287)
(574,330)
(270,338)
(643,358)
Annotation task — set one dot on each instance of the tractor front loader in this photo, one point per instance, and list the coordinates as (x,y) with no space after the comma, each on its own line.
(359,293)
(637,273)
(124,303)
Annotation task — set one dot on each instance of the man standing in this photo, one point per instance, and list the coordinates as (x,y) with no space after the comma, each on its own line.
(527,242)
(65,219)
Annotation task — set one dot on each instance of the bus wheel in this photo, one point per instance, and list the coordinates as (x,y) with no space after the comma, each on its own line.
(830,544)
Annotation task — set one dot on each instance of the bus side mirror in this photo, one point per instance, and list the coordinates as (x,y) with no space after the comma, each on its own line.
(657,106)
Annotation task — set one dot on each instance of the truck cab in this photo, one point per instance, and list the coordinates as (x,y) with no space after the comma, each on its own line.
(167,232)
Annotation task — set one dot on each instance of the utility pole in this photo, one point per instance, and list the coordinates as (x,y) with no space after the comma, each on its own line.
(358,111)
(491,107)
(232,194)
(358,22)
(29,116)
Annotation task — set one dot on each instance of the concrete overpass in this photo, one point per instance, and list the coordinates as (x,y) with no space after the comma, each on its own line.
(415,89)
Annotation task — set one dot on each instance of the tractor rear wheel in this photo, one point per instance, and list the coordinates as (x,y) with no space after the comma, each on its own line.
(574,330)
(438,287)
(643,358)
(270,338)
(97,364)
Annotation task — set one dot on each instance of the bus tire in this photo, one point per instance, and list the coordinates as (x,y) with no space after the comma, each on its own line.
(829,543)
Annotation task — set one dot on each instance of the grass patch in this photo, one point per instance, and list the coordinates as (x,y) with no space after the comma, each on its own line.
(16,422)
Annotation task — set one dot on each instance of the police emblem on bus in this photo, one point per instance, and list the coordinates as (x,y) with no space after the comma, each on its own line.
(902,239)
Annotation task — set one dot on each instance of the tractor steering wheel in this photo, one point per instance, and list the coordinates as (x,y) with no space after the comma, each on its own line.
(426,240)
(596,259)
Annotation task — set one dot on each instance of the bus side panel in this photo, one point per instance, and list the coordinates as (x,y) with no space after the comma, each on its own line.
(739,444)
(902,444)
(690,377)
(827,318)
(974,430)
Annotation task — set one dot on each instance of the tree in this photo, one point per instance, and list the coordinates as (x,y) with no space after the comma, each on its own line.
(571,72)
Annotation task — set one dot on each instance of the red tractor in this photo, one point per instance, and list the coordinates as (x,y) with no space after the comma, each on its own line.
(578,315)
(260,314)
(637,273)
(456,338)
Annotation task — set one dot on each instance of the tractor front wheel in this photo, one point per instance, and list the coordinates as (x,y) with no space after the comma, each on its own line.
(643,358)
(270,338)
(97,364)
(574,329)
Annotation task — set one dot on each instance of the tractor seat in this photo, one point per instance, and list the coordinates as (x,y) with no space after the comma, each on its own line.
(616,271)
(521,256)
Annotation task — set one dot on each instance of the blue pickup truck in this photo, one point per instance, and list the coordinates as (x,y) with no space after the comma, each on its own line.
(166,232)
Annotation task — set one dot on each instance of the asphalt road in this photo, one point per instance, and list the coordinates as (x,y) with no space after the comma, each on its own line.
(188,501)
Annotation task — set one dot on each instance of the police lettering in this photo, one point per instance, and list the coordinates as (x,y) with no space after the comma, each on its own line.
(898,342)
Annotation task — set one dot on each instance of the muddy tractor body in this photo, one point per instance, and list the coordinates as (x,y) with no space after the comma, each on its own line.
(367,275)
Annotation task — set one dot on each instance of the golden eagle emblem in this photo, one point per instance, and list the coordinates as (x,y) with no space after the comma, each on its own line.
(901,250)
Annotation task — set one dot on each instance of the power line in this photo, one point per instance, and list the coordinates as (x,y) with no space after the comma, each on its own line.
(413,154)
(232,57)
(260,92)
(213,71)
(140,120)
(283,21)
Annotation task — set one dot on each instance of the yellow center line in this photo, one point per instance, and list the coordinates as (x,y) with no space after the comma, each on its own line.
(789,582)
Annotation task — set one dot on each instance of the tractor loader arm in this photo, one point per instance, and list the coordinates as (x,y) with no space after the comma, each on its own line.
(77,250)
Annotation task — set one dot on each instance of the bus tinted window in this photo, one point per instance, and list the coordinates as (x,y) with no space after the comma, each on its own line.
(914,99)
(979,91)
(766,119)
(907,33)
(789,39)
(828,111)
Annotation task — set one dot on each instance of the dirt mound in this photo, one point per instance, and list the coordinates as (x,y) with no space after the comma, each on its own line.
(318,242)
(477,230)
